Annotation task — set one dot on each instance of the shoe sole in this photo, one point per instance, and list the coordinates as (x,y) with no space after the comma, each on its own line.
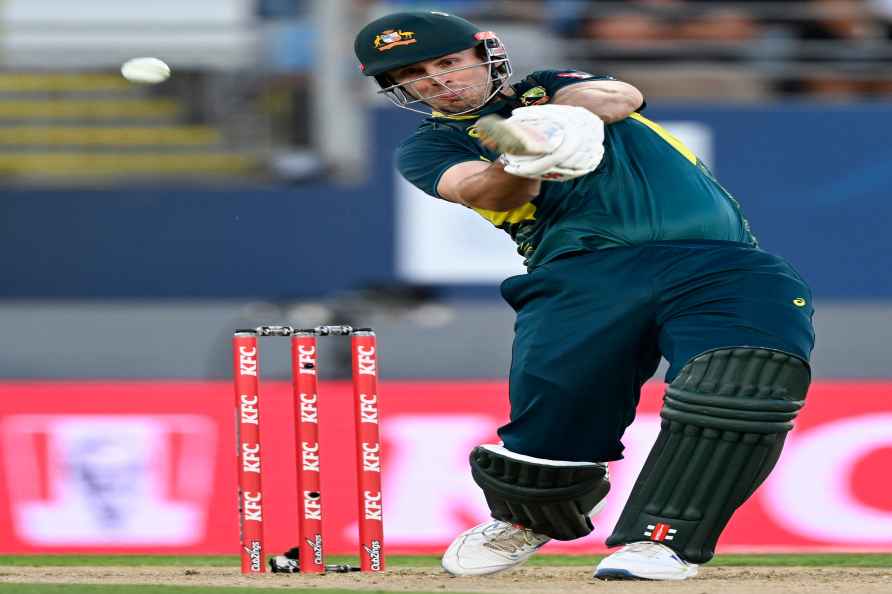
(624,574)
(480,571)
(616,575)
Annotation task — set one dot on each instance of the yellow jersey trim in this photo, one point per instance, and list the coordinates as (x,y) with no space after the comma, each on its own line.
(439,114)
(526,212)
(667,136)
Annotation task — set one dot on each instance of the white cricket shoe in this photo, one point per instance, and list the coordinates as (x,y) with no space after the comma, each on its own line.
(645,561)
(491,547)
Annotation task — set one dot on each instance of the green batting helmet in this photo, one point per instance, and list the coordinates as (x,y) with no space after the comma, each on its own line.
(404,38)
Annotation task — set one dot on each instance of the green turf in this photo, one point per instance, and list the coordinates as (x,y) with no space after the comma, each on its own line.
(120,560)
(778,560)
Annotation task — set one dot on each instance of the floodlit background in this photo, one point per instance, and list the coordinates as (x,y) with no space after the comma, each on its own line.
(142,224)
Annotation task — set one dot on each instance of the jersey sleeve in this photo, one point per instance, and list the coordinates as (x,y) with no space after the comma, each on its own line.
(423,158)
(554,80)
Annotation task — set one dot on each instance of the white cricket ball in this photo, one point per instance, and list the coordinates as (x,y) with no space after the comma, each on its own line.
(145,70)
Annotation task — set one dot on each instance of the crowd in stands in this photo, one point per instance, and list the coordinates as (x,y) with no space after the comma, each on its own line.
(232,121)
(824,48)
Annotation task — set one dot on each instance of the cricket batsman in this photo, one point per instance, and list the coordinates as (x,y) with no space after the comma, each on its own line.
(634,251)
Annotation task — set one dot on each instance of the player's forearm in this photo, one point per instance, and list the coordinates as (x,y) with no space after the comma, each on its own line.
(493,189)
(611,101)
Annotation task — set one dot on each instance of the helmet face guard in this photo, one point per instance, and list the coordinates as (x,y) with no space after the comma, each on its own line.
(495,58)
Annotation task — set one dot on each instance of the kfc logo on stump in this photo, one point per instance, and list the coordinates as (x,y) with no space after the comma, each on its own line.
(247,358)
(365,359)
(252,506)
(368,408)
(312,506)
(309,413)
(248,407)
(371,504)
(371,457)
(306,360)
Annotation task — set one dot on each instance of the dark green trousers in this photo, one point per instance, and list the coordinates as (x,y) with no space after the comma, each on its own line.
(591,328)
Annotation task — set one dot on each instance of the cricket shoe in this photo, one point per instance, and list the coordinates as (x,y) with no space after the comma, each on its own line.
(645,561)
(491,547)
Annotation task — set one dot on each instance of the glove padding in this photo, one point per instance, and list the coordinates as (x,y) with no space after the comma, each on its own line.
(577,139)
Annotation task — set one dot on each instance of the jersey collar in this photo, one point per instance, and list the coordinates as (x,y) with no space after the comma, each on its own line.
(492,107)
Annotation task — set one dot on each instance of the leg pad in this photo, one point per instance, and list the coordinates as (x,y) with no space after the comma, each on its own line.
(551,497)
(725,418)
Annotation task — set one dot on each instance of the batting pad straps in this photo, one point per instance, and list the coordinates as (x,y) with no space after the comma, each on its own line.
(725,418)
(551,497)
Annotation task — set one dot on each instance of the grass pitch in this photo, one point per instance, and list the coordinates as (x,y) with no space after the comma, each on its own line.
(9,563)
(774,560)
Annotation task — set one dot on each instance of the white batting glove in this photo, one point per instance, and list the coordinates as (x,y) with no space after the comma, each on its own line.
(550,142)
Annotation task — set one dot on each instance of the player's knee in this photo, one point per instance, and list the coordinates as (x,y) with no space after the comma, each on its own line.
(739,389)
(551,497)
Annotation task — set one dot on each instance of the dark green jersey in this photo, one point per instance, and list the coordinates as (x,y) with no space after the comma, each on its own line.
(648,187)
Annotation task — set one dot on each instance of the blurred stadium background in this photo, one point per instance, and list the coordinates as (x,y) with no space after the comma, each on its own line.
(143,223)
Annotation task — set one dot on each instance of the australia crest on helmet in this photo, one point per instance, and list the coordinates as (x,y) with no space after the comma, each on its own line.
(391,38)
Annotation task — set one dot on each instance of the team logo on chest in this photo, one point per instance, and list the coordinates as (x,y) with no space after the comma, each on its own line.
(534,96)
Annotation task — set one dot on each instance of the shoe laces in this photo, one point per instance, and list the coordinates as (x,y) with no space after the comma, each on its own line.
(509,538)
